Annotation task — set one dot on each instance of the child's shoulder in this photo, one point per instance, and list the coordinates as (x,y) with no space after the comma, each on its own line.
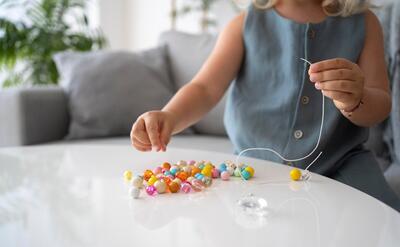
(372,24)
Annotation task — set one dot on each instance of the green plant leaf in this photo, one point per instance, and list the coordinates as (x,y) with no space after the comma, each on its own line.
(47,34)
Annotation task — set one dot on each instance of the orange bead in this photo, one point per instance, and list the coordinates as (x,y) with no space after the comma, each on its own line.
(166,165)
(182,176)
(147,175)
(167,180)
(174,187)
(195,170)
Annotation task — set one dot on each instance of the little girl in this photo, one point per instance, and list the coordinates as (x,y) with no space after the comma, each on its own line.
(275,100)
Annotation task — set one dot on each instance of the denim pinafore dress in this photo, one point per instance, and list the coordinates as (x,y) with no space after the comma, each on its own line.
(273,104)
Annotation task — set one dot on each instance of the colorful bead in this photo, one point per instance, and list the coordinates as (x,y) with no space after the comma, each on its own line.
(182,176)
(222,167)
(137,182)
(186,187)
(147,175)
(198,164)
(197,184)
(237,172)
(182,163)
(207,181)
(208,166)
(230,169)
(215,173)
(161,186)
(134,192)
(174,187)
(225,175)
(250,170)
(157,170)
(152,180)
(195,170)
(166,165)
(187,169)
(177,180)
(199,176)
(167,180)
(207,172)
(151,190)
(173,171)
(295,174)
(128,175)
(246,175)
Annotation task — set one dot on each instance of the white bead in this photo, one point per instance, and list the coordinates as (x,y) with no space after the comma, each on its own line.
(230,169)
(161,186)
(134,192)
(137,182)
(182,163)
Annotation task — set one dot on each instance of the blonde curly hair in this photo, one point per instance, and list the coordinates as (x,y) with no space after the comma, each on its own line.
(331,7)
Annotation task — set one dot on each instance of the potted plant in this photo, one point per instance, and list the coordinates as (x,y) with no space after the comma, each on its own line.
(49,26)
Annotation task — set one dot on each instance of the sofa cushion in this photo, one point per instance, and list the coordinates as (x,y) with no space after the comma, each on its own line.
(107,91)
(187,53)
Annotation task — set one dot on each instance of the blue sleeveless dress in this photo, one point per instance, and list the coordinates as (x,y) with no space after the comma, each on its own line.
(273,104)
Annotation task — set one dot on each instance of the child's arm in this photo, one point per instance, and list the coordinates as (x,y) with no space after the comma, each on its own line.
(192,101)
(348,84)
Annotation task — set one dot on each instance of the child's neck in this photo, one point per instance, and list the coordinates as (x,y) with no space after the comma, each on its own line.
(302,11)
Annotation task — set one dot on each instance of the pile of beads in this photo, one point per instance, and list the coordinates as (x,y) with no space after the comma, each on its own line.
(184,177)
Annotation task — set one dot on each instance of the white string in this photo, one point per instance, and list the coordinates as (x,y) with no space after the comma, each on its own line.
(297,159)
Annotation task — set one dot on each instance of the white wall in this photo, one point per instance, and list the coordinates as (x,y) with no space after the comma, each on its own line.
(136,24)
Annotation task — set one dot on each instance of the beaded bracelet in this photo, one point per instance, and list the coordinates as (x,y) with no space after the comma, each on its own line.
(350,113)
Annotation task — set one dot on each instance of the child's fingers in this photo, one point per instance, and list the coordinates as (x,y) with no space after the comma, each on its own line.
(330,75)
(165,135)
(344,86)
(153,129)
(140,146)
(336,63)
(139,132)
(338,96)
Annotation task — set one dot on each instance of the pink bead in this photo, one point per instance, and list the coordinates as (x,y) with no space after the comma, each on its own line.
(186,188)
(151,190)
(157,170)
(215,173)
(197,185)
(192,162)
(164,170)
(225,175)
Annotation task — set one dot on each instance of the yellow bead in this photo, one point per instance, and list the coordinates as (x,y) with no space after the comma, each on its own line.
(250,170)
(152,180)
(128,175)
(208,166)
(206,172)
(295,174)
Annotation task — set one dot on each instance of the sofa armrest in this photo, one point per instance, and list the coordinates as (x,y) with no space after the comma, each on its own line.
(32,115)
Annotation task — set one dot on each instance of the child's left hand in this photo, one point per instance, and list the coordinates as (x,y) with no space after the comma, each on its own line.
(339,79)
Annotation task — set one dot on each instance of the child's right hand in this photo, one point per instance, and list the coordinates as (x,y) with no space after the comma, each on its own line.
(153,130)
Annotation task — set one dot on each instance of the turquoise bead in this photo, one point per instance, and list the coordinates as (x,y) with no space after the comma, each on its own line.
(173,171)
(222,167)
(246,175)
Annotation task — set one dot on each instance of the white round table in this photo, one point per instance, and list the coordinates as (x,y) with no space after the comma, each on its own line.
(73,195)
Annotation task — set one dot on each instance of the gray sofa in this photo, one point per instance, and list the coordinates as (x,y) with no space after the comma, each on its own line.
(43,115)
